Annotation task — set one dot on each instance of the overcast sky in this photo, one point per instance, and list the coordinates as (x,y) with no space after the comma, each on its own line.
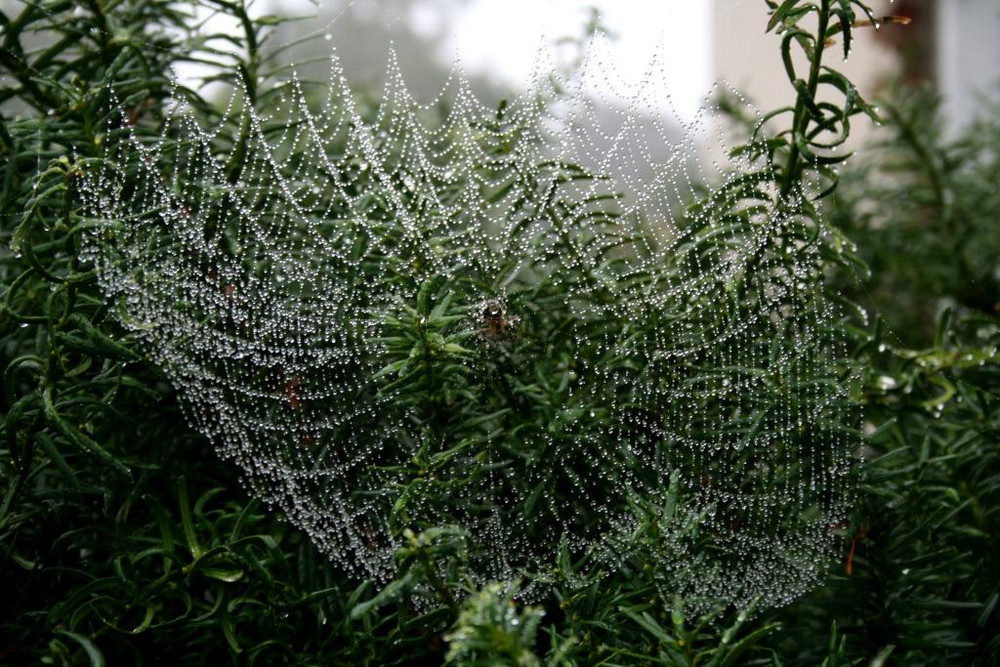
(501,38)
(504,37)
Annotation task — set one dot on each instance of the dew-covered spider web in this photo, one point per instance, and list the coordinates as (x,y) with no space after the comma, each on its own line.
(541,324)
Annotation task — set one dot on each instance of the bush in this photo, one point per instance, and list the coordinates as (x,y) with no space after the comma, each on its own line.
(127,540)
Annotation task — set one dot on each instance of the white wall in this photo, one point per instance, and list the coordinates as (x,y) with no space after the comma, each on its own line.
(968,59)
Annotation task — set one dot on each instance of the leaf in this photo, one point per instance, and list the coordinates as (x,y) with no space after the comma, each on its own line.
(780,13)
(739,648)
(805,96)
(649,624)
(384,597)
(93,653)
(271,20)
(228,575)
(987,610)
(846,16)
(189,534)
(229,631)
(77,438)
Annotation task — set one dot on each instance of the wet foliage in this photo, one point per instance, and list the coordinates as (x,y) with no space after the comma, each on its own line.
(126,539)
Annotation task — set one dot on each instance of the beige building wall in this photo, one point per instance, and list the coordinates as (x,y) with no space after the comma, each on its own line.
(968,63)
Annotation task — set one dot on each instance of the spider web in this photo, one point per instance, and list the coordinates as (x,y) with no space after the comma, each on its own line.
(658,360)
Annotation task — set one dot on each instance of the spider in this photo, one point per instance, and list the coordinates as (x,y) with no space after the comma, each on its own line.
(496,325)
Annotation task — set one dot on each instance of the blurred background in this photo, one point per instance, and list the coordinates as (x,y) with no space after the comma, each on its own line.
(950,44)
(499,45)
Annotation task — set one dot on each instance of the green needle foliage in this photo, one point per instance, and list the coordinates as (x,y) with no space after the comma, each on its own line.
(124,539)
(921,587)
(492,630)
(933,242)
